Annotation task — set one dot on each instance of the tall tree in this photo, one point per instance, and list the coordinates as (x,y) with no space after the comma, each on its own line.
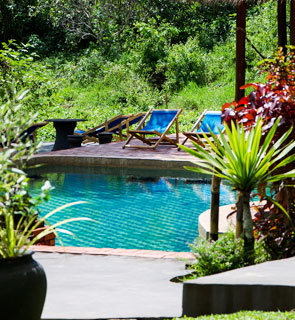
(282,24)
(292,23)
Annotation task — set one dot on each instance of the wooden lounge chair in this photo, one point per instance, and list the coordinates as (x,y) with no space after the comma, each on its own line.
(200,128)
(29,133)
(159,123)
(114,125)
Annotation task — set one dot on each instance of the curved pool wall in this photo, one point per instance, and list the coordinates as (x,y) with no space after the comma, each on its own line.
(133,208)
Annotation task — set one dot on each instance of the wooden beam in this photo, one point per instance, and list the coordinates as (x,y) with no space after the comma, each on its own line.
(282,24)
(292,23)
(240,49)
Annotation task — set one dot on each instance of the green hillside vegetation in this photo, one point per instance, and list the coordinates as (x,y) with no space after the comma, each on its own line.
(128,58)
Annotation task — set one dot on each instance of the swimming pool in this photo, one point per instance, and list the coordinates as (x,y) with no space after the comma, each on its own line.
(134,208)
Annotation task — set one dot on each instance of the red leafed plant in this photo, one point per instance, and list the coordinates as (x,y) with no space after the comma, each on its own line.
(271,100)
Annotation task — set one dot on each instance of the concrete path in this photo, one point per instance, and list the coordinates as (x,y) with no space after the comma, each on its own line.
(107,287)
(94,287)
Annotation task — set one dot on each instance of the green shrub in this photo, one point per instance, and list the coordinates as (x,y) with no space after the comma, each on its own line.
(222,255)
(185,63)
(18,71)
(150,50)
(220,63)
(80,69)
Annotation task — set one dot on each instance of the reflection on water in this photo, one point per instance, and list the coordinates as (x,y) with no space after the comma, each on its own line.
(137,209)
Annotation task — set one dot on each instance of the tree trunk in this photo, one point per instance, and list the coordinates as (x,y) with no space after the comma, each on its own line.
(282,25)
(215,189)
(240,49)
(248,234)
(292,23)
(239,216)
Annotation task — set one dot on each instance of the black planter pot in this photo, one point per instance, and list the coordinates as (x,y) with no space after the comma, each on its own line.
(74,141)
(22,288)
(105,137)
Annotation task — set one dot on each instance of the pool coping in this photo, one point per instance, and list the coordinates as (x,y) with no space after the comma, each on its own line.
(112,155)
(139,253)
(111,161)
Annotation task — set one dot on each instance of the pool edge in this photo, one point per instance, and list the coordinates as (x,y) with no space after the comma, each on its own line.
(156,254)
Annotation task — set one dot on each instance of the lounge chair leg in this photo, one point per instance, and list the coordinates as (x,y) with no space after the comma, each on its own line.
(128,140)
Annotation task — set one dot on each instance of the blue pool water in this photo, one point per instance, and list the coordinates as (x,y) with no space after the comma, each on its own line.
(135,209)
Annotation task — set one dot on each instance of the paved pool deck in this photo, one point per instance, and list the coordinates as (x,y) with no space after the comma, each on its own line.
(112,155)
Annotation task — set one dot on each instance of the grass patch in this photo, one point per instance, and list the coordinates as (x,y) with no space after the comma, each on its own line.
(247,315)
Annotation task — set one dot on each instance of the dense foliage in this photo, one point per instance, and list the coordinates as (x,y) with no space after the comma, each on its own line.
(136,55)
(245,160)
(271,101)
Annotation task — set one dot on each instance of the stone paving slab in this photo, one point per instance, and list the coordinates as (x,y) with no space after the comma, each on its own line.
(96,287)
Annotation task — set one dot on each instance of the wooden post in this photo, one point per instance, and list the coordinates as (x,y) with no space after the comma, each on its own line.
(282,24)
(292,23)
(240,49)
(215,189)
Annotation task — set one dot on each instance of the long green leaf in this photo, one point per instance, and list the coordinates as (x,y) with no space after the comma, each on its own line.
(279,206)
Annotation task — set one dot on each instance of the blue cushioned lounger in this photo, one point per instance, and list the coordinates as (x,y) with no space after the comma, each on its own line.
(158,125)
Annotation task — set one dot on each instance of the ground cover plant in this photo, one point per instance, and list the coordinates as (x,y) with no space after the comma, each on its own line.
(247,315)
(221,255)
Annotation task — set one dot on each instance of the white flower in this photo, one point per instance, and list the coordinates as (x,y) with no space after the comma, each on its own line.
(47,186)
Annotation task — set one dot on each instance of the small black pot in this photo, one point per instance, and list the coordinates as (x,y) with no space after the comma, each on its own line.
(74,141)
(105,137)
(23,288)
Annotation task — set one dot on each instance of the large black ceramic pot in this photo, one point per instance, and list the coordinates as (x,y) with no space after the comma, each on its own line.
(22,288)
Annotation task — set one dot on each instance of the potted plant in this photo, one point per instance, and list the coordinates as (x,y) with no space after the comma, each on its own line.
(22,279)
